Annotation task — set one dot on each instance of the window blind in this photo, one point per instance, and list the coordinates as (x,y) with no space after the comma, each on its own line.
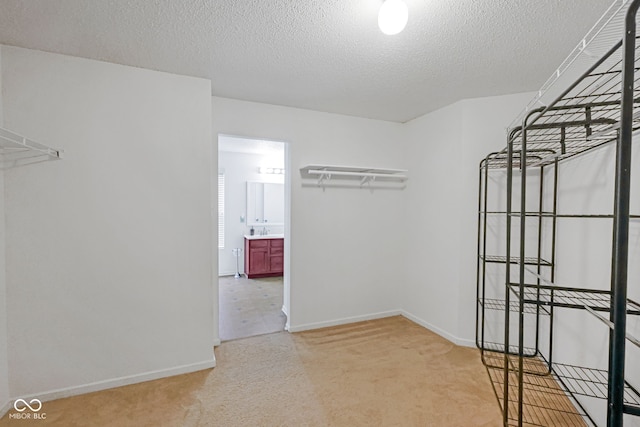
(220,210)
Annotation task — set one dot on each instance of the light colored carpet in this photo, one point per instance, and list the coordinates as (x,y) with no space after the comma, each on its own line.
(250,307)
(388,372)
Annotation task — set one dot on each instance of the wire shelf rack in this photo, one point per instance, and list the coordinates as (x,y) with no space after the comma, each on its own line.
(532,363)
(586,117)
(515,260)
(498,348)
(590,382)
(514,306)
(595,299)
(592,100)
(545,402)
(545,398)
(604,34)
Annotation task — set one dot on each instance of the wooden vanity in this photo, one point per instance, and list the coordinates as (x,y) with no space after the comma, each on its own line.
(263,256)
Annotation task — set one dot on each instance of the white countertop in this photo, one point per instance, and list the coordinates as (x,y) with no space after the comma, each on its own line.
(268,236)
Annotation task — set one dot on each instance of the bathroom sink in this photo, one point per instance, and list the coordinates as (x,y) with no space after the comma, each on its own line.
(266,236)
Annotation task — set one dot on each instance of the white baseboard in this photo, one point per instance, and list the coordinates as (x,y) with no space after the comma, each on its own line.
(231,273)
(208,364)
(119,382)
(5,408)
(444,334)
(343,321)
(216,342)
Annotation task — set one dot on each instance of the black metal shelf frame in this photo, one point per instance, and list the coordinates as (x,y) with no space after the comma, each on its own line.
(486,302)
(601,107)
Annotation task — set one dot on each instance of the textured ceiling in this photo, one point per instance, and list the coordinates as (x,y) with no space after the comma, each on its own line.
(326,55)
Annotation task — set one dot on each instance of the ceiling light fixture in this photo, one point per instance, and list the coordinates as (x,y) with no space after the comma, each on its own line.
(393,16)
(276,171)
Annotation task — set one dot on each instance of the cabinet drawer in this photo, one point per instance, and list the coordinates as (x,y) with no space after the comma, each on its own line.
(259,243)
(277,243)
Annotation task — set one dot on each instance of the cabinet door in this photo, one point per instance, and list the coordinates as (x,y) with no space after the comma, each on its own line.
(276,263)
(258,260)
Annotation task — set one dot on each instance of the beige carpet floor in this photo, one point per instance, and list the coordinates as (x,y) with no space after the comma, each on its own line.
(388,372)
(250,307)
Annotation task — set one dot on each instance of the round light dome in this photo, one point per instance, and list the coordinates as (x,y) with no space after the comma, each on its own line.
(393,16)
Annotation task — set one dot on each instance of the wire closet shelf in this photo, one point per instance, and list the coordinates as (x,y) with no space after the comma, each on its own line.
(16,150)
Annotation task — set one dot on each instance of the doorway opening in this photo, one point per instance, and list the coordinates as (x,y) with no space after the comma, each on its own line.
(253,215)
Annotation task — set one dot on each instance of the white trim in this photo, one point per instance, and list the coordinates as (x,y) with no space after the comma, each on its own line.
(344,321)
(216,342)
(444,334)
(119,382)
(230,273)
(5,408)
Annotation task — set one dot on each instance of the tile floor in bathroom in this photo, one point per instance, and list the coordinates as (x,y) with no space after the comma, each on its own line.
(250,307)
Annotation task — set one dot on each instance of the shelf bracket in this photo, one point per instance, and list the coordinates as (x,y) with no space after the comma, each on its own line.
(367,180)
(583,49)
(324,177)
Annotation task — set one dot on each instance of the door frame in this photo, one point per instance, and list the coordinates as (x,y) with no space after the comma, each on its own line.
(286,303)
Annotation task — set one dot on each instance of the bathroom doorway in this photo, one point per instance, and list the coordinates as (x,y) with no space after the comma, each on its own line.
(253,205)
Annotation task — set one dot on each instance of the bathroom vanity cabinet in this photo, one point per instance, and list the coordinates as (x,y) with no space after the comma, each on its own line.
(263,256)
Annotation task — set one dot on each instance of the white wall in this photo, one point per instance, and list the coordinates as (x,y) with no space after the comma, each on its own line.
(4,368)
(345,244)
(444,150)
(109,255)
(240,168)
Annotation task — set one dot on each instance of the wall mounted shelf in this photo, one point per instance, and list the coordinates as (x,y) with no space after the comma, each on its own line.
(16,150)
(352,176)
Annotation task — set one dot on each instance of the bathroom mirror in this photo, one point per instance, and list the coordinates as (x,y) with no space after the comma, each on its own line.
(265,203)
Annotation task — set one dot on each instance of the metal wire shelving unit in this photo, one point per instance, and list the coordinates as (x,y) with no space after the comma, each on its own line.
(600,107)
